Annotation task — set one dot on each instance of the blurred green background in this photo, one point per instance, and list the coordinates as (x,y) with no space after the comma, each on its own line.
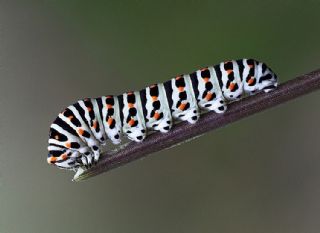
(257,175)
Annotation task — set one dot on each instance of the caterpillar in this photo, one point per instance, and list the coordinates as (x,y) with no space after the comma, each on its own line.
(79,132)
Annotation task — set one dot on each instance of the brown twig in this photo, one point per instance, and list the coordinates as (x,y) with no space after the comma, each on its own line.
(209,121)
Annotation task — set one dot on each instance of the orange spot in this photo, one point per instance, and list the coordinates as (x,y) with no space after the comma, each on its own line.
(178,77)
(232,86)
(229,71)
(204,69)
(63,156)
(251,80)
(130,93)
(108,106)
(152,86)
(251,66)
(182,106)
(95,124)
(68,145)
(110,120)
(80,131)
(181,89)
(56,137)
(208,96)
(130,105)
(109,96)
(206,79)
(156,115)
(89,109)
(154,98)
(52,159)
(70,117)
(131,122)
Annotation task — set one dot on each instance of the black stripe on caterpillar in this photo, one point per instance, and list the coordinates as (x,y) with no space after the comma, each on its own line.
(79,133)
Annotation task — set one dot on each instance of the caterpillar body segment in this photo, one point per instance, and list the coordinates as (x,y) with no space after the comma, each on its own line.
(79,133)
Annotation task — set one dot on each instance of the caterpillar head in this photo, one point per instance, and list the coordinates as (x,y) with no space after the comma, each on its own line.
(267,80)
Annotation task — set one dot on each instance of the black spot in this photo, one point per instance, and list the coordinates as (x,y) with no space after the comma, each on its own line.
(128,132)
(181,115)
(154,125)
(250,62)
(110,112)
(110,100)
(131,98)
(113,124)
(97,127)
(154,91)
(116,136)
(169,122)
(205,73)
(152,113)
(166,128)
(221,108)
(209,86)
(156,104)
(143,131)
(87,153)
(178,104)
(208,105)
(231,96)
(89,105)
(86,134)
(180,82)
(228,65)
(221,101)
(132,111)
(95,148)
(139,137)
(194,118)
(239,96)
(194,111)
(183,95)
(56,153)
(231,76)
(102,139)
(75,145)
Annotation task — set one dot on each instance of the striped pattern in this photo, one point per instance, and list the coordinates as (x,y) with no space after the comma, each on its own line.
(79,133)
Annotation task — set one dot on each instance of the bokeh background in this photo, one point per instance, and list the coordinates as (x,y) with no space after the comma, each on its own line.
(260,174)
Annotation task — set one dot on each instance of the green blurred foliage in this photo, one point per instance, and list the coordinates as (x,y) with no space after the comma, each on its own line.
(257,175)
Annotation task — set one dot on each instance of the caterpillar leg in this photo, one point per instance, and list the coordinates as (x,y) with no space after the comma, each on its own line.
(217,105)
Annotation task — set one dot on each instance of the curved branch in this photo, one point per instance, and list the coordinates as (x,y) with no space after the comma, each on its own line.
(208,121)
